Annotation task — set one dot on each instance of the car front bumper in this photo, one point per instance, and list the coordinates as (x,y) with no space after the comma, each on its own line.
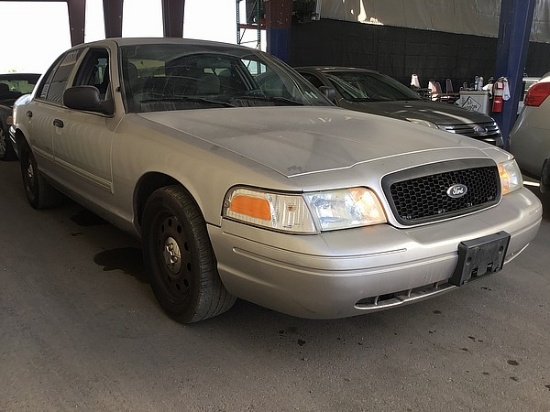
(351,272)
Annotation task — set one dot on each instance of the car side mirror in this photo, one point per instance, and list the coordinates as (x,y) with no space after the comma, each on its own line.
(329,92)
(86,98)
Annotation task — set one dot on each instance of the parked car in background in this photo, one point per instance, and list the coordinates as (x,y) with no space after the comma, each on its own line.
(527,82)
(12,86)
(373,92)
(243,180)
(530,136)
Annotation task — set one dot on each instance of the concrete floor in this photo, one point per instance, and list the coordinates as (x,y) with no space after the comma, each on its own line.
(80,330)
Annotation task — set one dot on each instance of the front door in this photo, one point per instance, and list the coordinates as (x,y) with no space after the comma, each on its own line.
(82,140)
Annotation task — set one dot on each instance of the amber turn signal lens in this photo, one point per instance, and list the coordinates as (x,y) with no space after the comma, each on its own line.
(251,206)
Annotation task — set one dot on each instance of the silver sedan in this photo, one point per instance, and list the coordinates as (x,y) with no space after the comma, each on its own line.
(530,137)
(243,181)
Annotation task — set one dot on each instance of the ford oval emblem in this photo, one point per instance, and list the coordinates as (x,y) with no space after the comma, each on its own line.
(457,191)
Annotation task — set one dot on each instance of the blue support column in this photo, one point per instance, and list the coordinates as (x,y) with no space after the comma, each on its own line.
(516,19)
(278,23)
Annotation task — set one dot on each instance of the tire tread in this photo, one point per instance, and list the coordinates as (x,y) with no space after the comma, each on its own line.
(213,299)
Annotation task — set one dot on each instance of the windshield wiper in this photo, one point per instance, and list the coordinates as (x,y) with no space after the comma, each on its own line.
(269,99)
(189,99)
(375,98)
(361,99)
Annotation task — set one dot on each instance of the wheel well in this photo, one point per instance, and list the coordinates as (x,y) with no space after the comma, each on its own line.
(19,136)
(147,185)
(21,141)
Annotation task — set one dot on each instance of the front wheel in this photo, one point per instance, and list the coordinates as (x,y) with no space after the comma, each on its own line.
(179,258)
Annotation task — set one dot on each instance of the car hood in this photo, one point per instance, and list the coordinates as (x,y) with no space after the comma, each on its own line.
(7,103)
(301,140)
(444,114)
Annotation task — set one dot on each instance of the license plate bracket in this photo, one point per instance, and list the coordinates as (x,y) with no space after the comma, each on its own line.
(481,256)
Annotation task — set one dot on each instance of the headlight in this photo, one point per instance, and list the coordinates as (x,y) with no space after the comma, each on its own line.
(510,176)
(307,213)
(341,209)
(276,211)
(423,123)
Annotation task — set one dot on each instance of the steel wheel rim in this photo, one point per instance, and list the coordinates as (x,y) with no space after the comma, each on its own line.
(173,258)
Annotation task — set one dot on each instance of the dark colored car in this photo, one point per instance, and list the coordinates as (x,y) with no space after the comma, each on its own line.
(12,86)
(373,92)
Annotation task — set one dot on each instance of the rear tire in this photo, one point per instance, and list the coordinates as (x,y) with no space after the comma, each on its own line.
(6,148)
(39,192)
(180,259)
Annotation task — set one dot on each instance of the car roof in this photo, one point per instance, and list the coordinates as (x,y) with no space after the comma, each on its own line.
(134,41)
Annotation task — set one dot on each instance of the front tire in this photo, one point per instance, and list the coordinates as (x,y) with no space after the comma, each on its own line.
(180,259)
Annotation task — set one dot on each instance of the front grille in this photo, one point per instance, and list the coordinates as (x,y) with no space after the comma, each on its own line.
(487,132)
(421,195)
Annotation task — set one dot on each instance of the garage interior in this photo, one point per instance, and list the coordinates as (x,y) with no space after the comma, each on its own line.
(484,348)
(435,40)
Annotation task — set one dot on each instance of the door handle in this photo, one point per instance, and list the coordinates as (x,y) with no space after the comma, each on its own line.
(58,123)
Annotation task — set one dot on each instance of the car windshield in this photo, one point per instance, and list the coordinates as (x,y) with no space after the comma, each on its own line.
(179,77)
(14,85)
(370,86)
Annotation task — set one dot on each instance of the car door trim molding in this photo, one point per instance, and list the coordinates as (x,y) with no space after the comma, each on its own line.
(91,178)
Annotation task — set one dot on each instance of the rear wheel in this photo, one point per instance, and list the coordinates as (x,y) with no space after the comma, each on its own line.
(6,149)
(39,192)
(179,258)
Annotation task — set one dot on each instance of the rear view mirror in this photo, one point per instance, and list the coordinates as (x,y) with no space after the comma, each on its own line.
(329,92)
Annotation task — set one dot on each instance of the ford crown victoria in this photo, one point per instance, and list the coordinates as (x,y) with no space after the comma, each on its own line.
(243,181)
